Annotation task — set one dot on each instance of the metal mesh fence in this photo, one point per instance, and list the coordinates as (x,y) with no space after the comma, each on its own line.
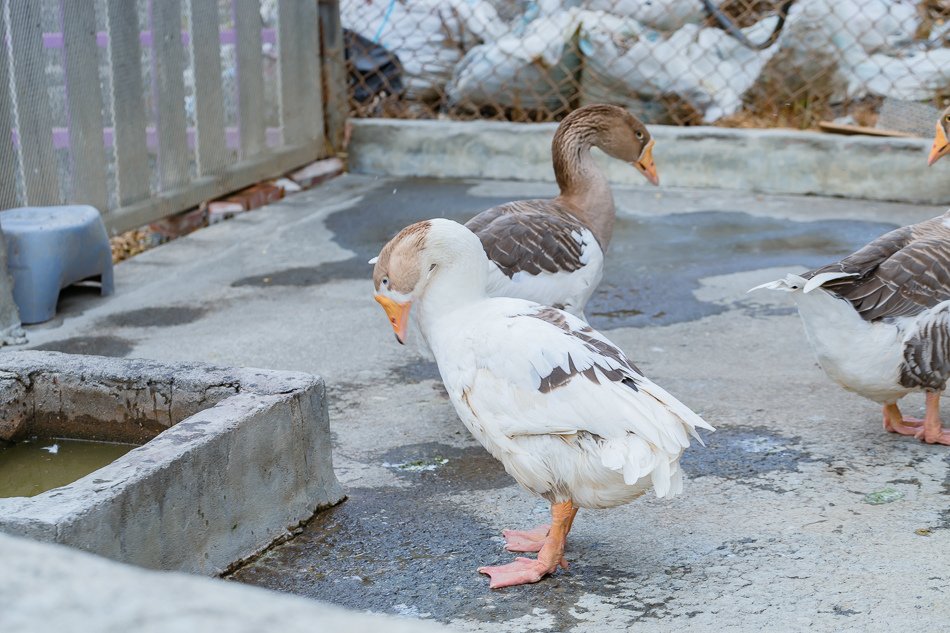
(880,64)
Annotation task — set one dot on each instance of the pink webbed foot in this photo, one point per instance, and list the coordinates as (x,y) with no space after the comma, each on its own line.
(932,431)
(525,541)
(895,422)
(907,426)
(938,436)
(523,571)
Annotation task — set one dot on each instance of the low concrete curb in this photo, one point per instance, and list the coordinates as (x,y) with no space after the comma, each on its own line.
(51,588)
(764,161)
(243,454)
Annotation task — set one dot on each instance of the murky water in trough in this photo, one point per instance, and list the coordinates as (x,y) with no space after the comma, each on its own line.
(33,466)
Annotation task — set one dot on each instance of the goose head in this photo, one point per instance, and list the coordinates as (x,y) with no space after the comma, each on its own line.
(941,146)
(438,263)
(615,131)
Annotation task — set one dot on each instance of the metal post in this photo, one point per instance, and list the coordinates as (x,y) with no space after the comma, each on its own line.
(333,60)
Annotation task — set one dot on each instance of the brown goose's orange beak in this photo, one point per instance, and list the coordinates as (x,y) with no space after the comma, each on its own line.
(940,147)
(398,314)
(646,166)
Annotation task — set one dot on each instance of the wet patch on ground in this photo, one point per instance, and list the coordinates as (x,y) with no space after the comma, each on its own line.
(456,469)
(304,276)
(744,454)
(161,316)
(360,553)
(114,346)
(366,227)
(654,263)
(416,371)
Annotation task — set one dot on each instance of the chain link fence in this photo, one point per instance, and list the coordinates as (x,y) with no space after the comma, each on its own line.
(878,64)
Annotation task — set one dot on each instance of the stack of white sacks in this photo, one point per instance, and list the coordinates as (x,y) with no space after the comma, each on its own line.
(632,52)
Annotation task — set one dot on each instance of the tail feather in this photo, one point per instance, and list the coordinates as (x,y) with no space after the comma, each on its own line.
(635,459)
(662,478)
(822,278)
(791,283)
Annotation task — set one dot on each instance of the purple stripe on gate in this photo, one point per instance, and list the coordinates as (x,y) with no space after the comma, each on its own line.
(232,135)
(55,40)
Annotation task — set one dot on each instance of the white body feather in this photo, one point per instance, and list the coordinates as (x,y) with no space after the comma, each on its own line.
(861,356)
(598,445)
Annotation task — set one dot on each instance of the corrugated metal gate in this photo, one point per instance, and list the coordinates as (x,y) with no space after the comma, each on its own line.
(143,108)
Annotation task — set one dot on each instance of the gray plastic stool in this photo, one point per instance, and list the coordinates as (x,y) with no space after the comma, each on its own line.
(49,248)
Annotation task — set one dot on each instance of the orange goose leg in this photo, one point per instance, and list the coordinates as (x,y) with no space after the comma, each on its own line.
(529,540)
(894,422)
(551,553)
(933,432)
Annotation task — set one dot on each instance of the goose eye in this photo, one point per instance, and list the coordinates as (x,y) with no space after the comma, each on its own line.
(947,118)
(640,135)
(385,281)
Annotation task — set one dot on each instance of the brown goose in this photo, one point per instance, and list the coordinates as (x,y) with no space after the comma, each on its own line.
(941,144)
(552,251)
(879,321)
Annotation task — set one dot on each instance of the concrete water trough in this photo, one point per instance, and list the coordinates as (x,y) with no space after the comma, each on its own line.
(229,461)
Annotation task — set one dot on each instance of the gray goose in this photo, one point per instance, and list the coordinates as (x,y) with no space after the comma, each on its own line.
(941,144)
(879,321)
(552,250)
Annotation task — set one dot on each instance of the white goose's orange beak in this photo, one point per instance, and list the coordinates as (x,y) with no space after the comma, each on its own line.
(398,314)
(940,147)
(646,166)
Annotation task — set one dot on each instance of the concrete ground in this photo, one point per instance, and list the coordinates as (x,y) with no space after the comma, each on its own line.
(780,525)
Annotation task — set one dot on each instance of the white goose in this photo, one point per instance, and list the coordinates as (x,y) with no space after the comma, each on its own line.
(552,250)
(562,408)
(879,321)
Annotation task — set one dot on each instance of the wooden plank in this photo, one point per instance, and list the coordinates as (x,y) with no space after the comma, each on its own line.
(84,98)
(9,157)
(311,90)
(234,177)
(211,148)
(335,97)
(128,106)
(289,58)
(169,94)
(34,123)
(843,128)
(247,26)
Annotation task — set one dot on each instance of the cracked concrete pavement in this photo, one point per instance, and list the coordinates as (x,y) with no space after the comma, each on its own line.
(774,529)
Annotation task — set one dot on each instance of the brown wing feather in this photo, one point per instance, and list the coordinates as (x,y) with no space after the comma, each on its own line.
(902,273)
(627,373)
(533,236)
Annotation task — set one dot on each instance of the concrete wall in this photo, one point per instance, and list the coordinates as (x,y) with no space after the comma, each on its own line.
(251,459)
(766,161)
(51,588)
(10,331)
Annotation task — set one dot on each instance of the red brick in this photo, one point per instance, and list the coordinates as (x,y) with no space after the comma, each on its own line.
(220,210)
(317,172)
(180,224)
